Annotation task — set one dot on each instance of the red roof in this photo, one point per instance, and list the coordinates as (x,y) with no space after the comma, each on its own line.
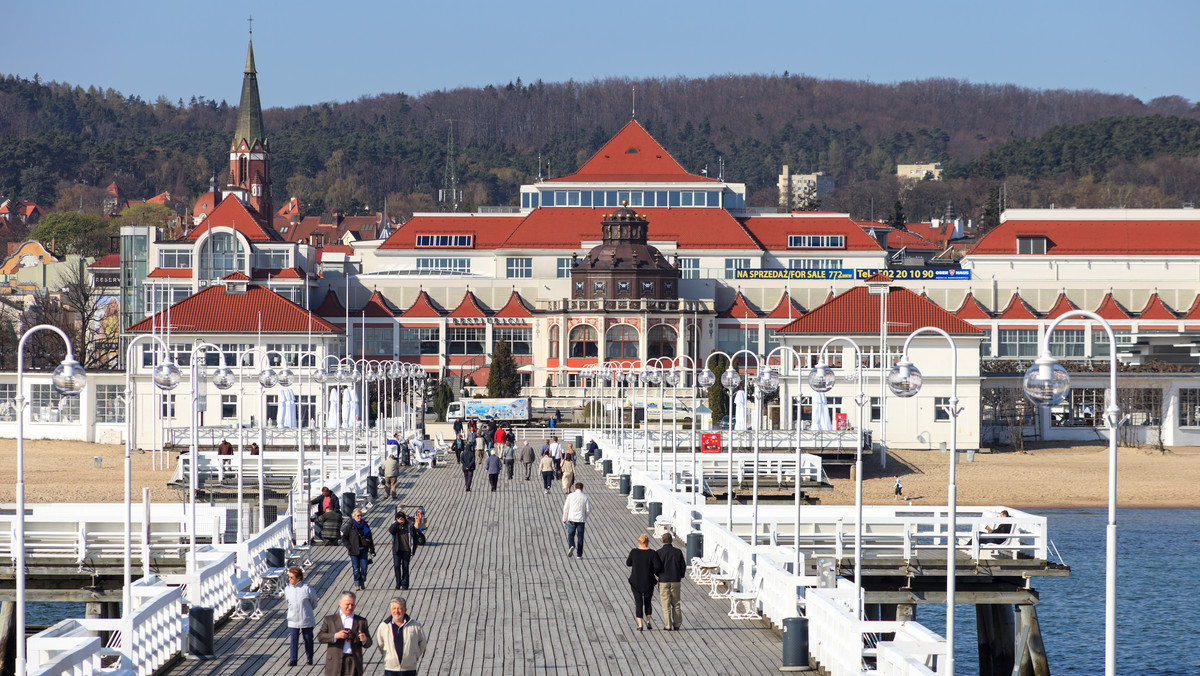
(376,306)
(470,306)
(857,312)
(786,308)
(170,273)
(330,306)
(740,309)
(232,213)
(109,261)
(424,306)
(1194,311)
(214,310)
(515,307)
(772,232)
(1157,309)
(1100,237)
(567,227)
(278,273)
(205,204)
(236,277)
(1062,306)
(1111,309)
(632,155)
(1018,309)
(899,239)
(489,230)
(971,308)
(877,277)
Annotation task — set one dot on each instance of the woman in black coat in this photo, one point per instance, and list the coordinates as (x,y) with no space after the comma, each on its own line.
(643,577)
(404,541)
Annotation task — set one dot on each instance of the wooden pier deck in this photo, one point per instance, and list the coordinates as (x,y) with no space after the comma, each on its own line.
(496,593)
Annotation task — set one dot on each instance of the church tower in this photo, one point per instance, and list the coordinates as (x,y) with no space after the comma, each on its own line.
(249,154)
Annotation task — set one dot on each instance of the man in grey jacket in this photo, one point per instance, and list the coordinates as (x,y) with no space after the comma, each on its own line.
(526,456)
(391,472)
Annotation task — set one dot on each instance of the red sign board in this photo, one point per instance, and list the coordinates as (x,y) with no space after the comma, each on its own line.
(710,442)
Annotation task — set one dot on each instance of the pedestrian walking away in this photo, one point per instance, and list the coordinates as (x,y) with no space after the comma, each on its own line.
(509,456)
(401,640)
(899,492)
(481,446)
(345,635)
(669,581)
(546,467)
(568,472)
(404,541)
(301,617)
(644,566)
(391,473)
(575,513)
(556,452)
(468,466)
(527,457)
(360,545)
(493,470)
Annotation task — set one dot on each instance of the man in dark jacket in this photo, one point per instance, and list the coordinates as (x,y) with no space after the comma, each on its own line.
(323,502)
(329,526)
(467,459)
(673,569)
(492,464)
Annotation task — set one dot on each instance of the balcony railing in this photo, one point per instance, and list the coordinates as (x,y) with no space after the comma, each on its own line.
(623,305)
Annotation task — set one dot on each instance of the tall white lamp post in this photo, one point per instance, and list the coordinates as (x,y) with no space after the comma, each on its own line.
(796,364)
(1046,383)
(904,380)
(194,452)
(68,379)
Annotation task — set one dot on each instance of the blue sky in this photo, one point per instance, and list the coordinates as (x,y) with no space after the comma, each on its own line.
(309,52)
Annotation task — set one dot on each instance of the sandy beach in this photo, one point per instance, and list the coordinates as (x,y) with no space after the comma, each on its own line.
(1045,476)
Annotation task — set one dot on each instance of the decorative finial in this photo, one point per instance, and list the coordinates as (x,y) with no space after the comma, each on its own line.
(251,21)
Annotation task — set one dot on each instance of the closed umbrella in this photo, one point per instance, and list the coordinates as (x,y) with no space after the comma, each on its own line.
(346,404)
(821,413)
(331,420)
(739,409)
(355,419)
(287,408)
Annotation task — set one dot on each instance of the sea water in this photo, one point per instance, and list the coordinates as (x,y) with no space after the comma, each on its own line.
(1158,596)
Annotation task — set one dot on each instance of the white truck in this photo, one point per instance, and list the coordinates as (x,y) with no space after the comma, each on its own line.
(513,409)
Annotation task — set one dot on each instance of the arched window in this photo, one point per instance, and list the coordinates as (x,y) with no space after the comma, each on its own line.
(661,342)
(553,342)
(622,342)
(583,341)
(221,255)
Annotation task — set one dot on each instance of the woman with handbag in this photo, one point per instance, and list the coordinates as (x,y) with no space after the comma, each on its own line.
(568,472)
(644,567)
(360,545)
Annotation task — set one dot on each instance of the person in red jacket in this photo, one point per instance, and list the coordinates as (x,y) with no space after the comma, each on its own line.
(500,436)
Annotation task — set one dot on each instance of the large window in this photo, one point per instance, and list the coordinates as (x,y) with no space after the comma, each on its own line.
(47,405)
(292,352)
(1100,341)
(583,342)
(420,340)
(732,264)
(229,406)
(1067,343)
(1189,408)
(456,241)
(870,356)
(519,339)
(564,267)
(175,258)
(272,259)
(466,341)
(661,342)
(159,297)
(810,356)
(223,254)
(519,267)
(1031,245)
(168,406)
(622,342)
(552,342)
(816,241)
(8,402)
(448,266)
(1018,343)
(689,268)
(110,403)
(815,263)
(377,340)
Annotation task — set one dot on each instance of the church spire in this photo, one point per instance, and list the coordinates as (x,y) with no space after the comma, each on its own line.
(250,124)
(250,154)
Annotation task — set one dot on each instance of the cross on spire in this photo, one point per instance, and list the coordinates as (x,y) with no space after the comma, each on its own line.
(251,21)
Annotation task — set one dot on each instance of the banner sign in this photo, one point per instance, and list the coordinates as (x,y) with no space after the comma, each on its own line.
(710,442)
(902,274)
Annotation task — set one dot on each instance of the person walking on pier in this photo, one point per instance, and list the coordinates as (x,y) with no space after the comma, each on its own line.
(457,446)
(481,447)
(401,640)
(899,489)
(360,545)
(509,456)
(467,460)
(527,457)
(493,469)
(673,569)
(568,472)
(644,567)
(346,635)
(404,540)
(301,618)
(546,466)
(574,517)
(556,453)
(391,473)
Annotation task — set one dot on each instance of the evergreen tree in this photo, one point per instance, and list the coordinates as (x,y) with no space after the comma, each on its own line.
(442,396)
(503,380)
(989,217)
(898,220)
(718,398)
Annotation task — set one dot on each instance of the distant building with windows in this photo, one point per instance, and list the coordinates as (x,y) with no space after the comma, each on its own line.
(795,188)
(918,172)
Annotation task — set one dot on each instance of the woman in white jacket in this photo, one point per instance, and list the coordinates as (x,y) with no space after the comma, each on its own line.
(301,619)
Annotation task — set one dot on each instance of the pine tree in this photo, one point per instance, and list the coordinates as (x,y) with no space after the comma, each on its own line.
(898,220)
(442,396)
(503,380)
(718,398)
(989,216)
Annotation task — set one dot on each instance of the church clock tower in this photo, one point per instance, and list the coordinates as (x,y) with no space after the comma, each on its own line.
(250,154)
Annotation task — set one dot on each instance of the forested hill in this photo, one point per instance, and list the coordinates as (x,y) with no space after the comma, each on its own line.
(60,143)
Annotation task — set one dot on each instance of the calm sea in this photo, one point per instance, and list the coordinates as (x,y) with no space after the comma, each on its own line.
(1158,596)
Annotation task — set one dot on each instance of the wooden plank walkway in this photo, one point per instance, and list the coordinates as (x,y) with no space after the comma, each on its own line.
(497,595)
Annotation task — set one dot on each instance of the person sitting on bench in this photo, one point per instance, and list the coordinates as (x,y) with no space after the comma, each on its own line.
(1003,528)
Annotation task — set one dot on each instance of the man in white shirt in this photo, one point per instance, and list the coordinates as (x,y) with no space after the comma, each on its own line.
(574,518)
(556,453)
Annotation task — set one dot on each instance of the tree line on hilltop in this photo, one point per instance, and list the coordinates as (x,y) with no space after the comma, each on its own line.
(61,144)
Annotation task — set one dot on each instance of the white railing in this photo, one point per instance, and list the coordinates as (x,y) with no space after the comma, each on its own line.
(912,652)
(211,435)
(841,644)
(839,441)
(67,649)
(277,535)
(212,585)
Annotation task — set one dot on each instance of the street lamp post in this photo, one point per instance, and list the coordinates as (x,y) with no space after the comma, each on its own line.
(194,451)
(1046,383)
(904,381)
(680,377)
(797,364)
(68,379)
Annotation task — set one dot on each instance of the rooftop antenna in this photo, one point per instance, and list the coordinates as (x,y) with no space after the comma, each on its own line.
(721,168)
(633,115)
(450,196)
(539,178)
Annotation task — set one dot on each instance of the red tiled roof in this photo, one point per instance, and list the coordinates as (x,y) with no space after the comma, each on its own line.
(1018,309)
(170,273)
(515,307)
(376,306)
(1101,237)
(205,204)
(214,310)
(470,306)
(1193,312)
(1157,309)
(632,155)
(567,227)
(772,231)
(236,277)
(971,308)
(424,306)
(278,273)
(232,213)
(1062,306)
(490,230)
(1111,309)
(109,261)
(740,309)
(330,306)
(857,312)
(786,308)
